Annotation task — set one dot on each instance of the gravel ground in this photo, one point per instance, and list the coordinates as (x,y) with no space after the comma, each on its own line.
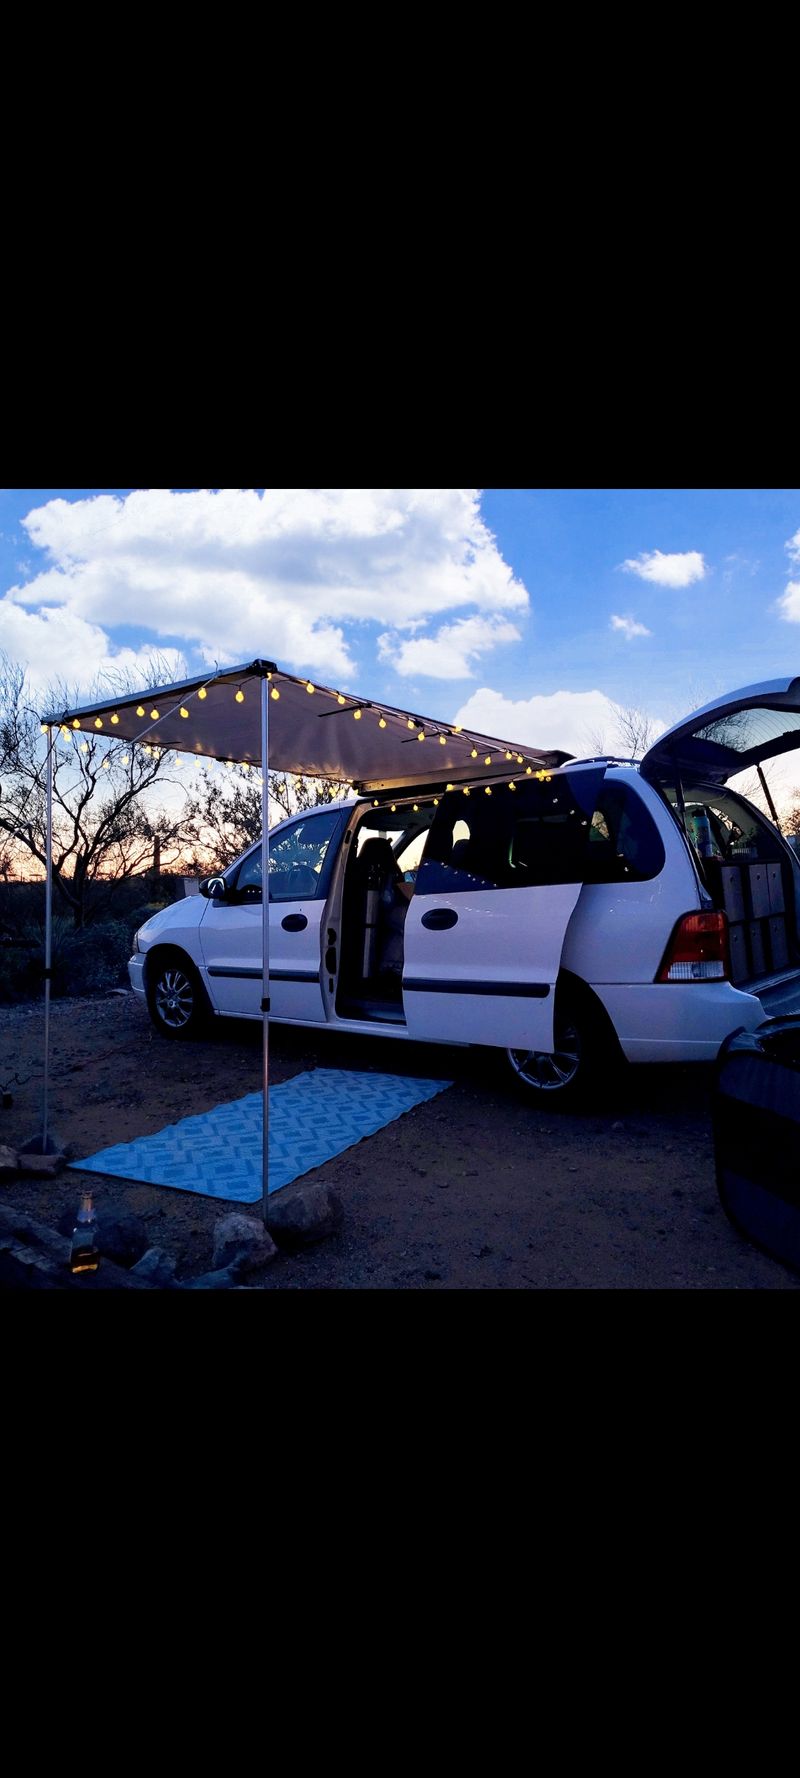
(474,1190)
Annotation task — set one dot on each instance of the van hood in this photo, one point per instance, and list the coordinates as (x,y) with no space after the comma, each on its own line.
(731,734)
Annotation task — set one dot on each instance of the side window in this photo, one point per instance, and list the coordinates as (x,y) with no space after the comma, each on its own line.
(535,834)
(624,843)
(297,860)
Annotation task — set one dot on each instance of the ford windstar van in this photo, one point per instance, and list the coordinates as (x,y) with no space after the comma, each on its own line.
(605,908)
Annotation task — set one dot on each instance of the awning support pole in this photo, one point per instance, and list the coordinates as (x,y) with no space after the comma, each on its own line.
(48,931)
(265,937)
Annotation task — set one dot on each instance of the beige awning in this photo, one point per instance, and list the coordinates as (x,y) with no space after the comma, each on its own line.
(313,729)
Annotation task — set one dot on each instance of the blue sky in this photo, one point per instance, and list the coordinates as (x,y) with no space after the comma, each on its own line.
(523,611)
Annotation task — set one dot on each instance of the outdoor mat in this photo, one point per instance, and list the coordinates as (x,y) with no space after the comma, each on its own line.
(312,1117)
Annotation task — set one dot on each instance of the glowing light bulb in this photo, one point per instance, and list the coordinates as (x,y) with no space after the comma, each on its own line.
(474,753)
(154,716)
(375,804)
(436,802)
(44,729)
(356,715)
(341,700)
(124,759)
(528,772)
(456,728)
(65,731)
(115,719)
(509,755)
(75,722)
(105,765)
(442,740)
(393,810)
(140,709)
(421,735)
(184,712)
(310,689)
(488,759)
(511,784)
(519,759)
(245,766)
(449,786)
(416,808)
(411,723)
(275,693)
(487,791)
(382,723)
(466,790)
(98,722)
(84,746)
(201,694)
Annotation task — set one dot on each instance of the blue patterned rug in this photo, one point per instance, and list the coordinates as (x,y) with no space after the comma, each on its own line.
(311,1118)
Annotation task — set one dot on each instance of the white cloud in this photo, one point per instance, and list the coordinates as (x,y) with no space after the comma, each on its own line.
(569,720)
(239,573)
(450,653)
(629,627)
(789,602)
(671,571)
(55,645)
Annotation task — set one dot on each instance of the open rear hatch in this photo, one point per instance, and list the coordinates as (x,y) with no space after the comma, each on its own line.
(746,867)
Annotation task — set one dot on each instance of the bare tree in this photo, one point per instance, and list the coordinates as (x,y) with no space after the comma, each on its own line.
(223,815)
(102,831)
(634,732)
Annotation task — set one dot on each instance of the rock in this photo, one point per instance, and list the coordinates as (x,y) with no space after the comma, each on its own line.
(45,1166)
(122,1238)
(8,1161)
(156,1267)
(299,1215)
(225,1279)
(242,1241)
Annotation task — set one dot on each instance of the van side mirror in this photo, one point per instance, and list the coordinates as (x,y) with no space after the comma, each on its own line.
(213,888)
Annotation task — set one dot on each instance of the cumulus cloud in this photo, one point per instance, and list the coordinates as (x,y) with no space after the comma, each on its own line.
(789,602)
(450,653)
(55,645)
(573,721)
(672,571)
(629,627)
(238,573)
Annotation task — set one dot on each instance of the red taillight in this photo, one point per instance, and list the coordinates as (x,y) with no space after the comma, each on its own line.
(698,950)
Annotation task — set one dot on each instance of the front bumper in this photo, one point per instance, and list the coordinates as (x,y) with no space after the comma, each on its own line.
(136,973)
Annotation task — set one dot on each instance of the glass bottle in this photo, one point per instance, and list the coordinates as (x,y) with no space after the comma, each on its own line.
(84,1255)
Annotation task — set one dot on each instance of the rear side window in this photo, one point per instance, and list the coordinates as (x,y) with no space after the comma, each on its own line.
(624,843)
(511,839)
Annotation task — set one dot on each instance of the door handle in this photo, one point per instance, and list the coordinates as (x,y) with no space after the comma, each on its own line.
(439,919)
(294,923)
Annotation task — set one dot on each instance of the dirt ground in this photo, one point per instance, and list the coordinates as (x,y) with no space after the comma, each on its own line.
(473,1190)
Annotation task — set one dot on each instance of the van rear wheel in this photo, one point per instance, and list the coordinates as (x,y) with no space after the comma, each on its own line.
(585,1048)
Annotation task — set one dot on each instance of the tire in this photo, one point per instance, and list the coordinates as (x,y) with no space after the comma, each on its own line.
(175,998)
(578,1068)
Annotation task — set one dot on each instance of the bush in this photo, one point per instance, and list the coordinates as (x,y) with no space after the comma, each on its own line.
(88,962)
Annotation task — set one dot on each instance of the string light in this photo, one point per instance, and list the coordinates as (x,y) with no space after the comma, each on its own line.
(487,792)
(124,759)
(154,716)
(184,712)
(275,693)
(519,759)
(98,722)
(415,808)
(457,728)
(140,710)
(528,771)
(357,715)
(201,694)
(75,722)
(393,810)
(84,745)
(466,790)
(105,765)
(342,700)
(376,804)
(382,723)
(421,735)
(44,729)
(115,719)
(310,689)
(449,786)
(442,740)
(436,802)
(511,784)
(474,753)
(65,731)
(411,723)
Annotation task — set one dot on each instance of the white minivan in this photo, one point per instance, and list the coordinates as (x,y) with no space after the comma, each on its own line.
(603,908)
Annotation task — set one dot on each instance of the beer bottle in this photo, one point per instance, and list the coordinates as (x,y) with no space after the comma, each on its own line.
(84,1255)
